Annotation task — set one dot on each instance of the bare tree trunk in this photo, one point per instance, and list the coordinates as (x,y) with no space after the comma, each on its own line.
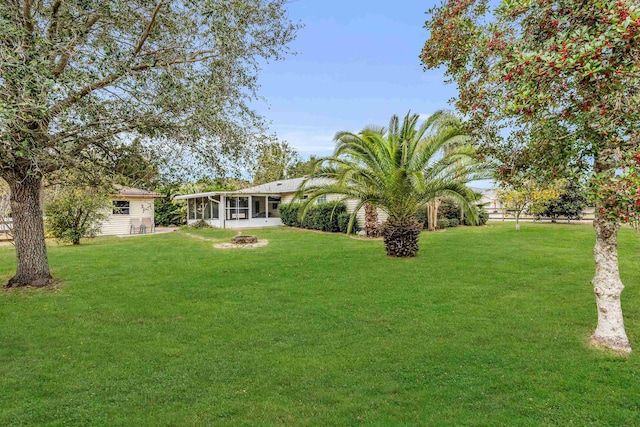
(431,226)
(371,221)
(607,287)
(517,221)
(432,214)
(28,230)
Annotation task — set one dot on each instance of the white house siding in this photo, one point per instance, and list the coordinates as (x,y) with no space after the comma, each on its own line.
(351,206)
(118,224)
(288,197)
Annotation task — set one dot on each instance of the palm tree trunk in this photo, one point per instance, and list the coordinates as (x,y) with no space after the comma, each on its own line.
(401,237)
(371,221)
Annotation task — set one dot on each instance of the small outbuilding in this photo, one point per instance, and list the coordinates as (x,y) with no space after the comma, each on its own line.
(132,212)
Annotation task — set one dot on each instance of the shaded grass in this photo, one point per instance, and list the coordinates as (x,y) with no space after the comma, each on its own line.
(485,327)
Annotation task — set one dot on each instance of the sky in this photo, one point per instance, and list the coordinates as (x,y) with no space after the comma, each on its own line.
(357,64)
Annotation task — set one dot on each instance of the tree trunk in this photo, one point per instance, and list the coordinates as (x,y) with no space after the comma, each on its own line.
(401,239)
(517,221)
(371,221)
(607,287)
(432,214)
(28,230)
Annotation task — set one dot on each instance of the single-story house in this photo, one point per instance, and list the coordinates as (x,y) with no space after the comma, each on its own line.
(490,202)
(132,212)
(251,207)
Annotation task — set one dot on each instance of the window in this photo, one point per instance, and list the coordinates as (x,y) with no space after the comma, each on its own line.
(121,207)
(322,199)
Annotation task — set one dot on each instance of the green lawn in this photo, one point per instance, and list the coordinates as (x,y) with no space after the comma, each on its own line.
(486,326)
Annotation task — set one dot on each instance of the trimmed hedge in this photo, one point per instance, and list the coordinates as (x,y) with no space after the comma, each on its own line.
(330,216)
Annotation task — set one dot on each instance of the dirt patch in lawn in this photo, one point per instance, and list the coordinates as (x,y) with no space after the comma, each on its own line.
(229,245)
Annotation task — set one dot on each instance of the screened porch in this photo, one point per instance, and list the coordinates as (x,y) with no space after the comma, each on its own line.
(228,210)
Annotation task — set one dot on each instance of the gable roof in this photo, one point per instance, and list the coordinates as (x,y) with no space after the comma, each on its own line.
(282,186)
(275,187)
(122,191)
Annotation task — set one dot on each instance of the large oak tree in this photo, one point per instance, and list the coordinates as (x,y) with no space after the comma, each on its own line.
(564,76)
(77,74)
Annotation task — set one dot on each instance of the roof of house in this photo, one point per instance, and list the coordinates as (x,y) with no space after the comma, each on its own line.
(486,192)
(123,191)
(282,186)
(276,187)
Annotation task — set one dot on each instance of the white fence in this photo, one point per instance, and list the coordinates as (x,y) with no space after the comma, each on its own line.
(6,224)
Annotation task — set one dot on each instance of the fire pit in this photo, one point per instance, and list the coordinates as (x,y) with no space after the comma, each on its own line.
(244,240)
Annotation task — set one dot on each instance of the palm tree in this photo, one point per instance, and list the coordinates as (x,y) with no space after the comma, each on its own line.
(399,170)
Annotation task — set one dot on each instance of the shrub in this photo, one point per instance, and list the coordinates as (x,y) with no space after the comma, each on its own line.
(483,217)
(449,209)
(454,222)
(443,223)
(169,211)
(343,223)
(289,214)
(74,213)
(422,217)
(570,204)
(200,224)
(323,216)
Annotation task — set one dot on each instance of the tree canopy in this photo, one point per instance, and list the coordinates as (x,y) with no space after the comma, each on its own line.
(274,161)
(75,74)
(564,77)
(561,75)
(80,78)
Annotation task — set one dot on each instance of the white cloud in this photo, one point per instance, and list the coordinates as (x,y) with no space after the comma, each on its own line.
(308,140)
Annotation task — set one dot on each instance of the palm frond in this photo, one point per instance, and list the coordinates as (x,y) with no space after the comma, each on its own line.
(400,168)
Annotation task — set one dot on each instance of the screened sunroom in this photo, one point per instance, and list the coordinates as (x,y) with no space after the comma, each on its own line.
(233,210)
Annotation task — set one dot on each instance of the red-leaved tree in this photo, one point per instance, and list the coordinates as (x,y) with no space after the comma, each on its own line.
(566,75)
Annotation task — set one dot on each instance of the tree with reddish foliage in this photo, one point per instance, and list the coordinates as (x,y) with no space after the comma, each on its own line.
(541,66)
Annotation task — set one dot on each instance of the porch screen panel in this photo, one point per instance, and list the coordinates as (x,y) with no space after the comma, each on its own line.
(274,203)
(199,207)
(243,207)
(192,208)
(215,210)
(208,209)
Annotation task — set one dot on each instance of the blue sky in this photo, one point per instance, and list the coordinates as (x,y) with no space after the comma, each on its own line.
(357,64)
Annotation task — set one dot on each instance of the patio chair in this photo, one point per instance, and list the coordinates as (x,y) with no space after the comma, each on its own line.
(148,225)
(136,227)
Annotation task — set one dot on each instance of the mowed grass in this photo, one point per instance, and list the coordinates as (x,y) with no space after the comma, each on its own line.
(487,326)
